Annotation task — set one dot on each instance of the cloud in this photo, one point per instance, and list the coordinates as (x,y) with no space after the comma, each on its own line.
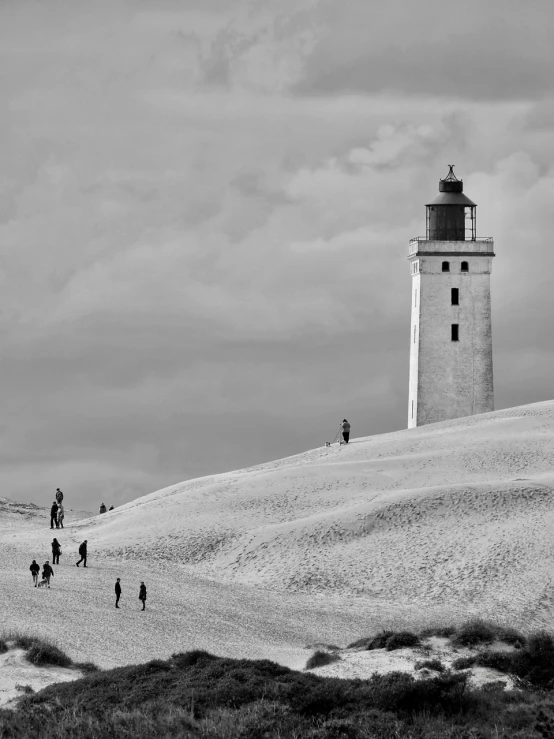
(498,50)
(201,273)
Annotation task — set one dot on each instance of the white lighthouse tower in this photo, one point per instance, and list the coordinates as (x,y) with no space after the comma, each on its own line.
(450,336)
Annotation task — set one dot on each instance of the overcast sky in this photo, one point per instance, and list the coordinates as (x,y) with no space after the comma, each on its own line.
(205,207)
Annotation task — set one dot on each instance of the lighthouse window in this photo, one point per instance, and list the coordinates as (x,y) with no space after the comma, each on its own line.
(446,266)
(455,292)
(455,336)
(414,333)
(465,267)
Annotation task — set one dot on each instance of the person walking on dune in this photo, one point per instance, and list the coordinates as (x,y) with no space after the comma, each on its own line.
(142,595)
(59,496)
(35,569)
(117,592)
(53,514)
(345,428)
(83,553)
(56,551)
(47,572)
(61,516)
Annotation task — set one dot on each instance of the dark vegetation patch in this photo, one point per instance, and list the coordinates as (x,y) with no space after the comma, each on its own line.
(532,664)
(402,639)
(86,667)
(25,689)
(464,663)
(430,664)
(42,652)
(388,640)
(477,632)
(320,659)
(473,633)
(196,694)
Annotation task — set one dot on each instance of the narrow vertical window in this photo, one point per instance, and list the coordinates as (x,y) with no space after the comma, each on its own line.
(415,299)
(465,267)
(414,333)
(455,336)
(412,408)
(455,294)
(446,266)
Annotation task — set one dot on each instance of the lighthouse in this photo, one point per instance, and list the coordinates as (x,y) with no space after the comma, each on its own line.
(451,332)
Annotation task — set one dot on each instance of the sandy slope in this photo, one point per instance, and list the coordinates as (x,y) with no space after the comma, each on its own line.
(361,664)
(404,528)
(15,671)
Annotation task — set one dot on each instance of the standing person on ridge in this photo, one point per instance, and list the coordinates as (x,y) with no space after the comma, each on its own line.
(35,569)
(59,496)
(83,553)
(47,572)
(117,592)
(345,428)
(53,514)
(56,551)
(102,508)
(142,595)
(61,516)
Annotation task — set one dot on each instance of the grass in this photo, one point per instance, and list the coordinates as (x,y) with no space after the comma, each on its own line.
(42,652)
(463,663)
(402,639)
(196,694)
(473,633)
(320,659)
(388,640)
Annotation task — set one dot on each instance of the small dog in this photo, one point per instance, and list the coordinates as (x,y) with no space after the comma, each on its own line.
(43,584)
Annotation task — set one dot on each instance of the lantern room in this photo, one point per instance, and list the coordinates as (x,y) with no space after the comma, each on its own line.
(451,216)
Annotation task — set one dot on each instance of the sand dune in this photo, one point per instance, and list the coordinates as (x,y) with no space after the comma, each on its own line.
(448,519)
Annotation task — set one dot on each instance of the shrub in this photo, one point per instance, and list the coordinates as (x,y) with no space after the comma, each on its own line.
(379,641)
(23,641)
(534,663)
(320,698)
(43,653)
(472,633)
(86,667)
(320,659)
(25,689)
(402,639)
(400,692)
(463,663)
(510,636)
(189,659)
(3,646)
(430,664)
(501,661)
